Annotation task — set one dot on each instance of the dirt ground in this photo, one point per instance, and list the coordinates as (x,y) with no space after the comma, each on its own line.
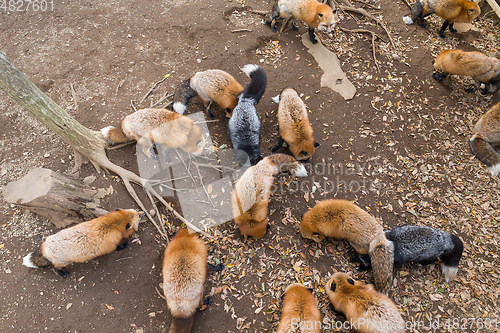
(398,149)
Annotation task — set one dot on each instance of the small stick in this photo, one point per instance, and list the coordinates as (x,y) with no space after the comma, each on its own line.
(162,99)
(159,294)
(260,12)
(203,184)
(241,30)
(367,4)
(119,85)
(157,214)
(373,41)
(119,145)
(370,16)
(133,106)
(75,98)
(152,88)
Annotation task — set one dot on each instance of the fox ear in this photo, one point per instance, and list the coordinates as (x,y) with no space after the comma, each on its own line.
(321,15)
(335,11)
(333,286)
(128,226)
(470,11)
(351,281)
(316,145)
(310,289)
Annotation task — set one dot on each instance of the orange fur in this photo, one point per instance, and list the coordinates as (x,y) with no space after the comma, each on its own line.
(88,240)
(300,309)
(485,137)
(342,219)
(368,310)
(294,126)
(184,272)
(160,126)
(252,191)
(475,64)
(218,86)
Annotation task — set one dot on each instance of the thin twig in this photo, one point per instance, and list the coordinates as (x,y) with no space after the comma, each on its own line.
(373,41)
(161,182)
(157,214)
(367,4)
(75,98)
(242,30)
(119,85)
(159,294)
(133,106)
(260,12)
(206,121)
(152,88)
(120,145)
(167,95)
(203,185)
(370,16)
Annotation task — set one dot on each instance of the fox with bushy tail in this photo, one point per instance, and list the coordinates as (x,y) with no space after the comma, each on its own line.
(85,241)
(244,125)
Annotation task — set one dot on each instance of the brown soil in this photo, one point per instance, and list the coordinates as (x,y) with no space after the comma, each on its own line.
(399,149)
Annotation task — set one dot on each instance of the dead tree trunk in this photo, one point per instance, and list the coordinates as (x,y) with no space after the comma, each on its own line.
(61,199)
(85,142)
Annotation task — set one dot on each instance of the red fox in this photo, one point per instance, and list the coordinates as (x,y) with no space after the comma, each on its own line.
(211,85)
(294,126)
(252,191)
(157,126)
(85,241)
(452,11)
(184,272)
(366,309)
(314,13)
(342,219)
(484,69)
(300,309)
(485,137)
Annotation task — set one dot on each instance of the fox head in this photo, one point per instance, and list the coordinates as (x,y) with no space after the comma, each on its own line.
(470,11)
(327,18)
(308,229)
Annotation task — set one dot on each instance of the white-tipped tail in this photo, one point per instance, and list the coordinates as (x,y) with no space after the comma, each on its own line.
(179,107)
(495,169)
(450,273)
(105,131)
(276,99)
(27,261)
(407,20)
(249,69)
(301,171)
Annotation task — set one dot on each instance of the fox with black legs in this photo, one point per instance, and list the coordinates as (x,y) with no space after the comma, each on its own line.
(453,11)
(211,85)
(483,69)
(85,241)
(244,125)
(485,137)
(314,13)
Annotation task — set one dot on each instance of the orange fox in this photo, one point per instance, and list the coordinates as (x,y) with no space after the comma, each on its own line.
(452,11)
(314,13)
(157,126)
(184,271)
(342,219)
(485,136)
(484,69)
(85,241)
(294,126)
(300,309)
(211,85)
(252,191)
(366,309)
